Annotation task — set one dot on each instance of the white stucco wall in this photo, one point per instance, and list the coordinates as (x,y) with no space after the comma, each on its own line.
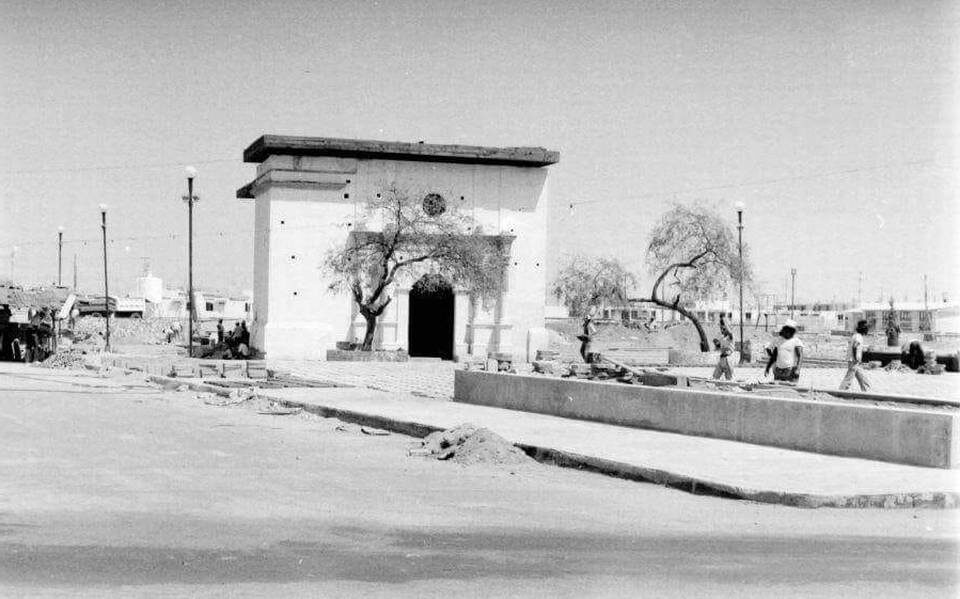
(305,206)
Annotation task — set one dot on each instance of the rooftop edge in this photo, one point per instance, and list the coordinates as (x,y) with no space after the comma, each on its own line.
(268,145)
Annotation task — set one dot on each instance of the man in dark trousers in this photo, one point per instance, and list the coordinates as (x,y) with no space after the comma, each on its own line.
(787,354)
(220,331)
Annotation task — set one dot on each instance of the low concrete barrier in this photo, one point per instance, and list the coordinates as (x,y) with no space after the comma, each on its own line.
(920,436)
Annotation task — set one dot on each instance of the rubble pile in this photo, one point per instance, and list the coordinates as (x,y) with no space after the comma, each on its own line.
(897,366)
(469,444)
(123,330)
(73,358)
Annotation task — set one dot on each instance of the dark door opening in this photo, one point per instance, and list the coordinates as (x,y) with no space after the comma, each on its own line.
(430,330)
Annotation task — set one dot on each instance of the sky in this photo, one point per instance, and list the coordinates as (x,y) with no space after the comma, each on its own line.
(835,123)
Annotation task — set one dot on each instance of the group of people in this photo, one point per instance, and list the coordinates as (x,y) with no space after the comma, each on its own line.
(27,342)
(785,355)
(237,340)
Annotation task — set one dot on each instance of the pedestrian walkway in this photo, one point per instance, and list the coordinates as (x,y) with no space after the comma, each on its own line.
(741,470)
(943,386)
(425,378)
(434,378)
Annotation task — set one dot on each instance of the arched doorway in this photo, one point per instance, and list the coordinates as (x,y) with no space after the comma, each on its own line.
(430,330)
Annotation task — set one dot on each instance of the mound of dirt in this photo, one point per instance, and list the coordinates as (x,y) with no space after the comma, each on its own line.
(469,444)
(73,358)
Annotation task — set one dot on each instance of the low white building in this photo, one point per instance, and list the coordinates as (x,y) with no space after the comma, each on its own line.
(309,190)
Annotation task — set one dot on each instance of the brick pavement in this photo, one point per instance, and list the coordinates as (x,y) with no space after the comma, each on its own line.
(434,379)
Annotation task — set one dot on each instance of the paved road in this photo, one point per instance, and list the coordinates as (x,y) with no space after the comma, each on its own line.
(112,489)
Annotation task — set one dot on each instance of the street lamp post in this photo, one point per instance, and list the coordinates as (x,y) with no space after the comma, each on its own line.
(189,199)
(793,289)
(59,256)
(13,263)
(106,286)
(744,349)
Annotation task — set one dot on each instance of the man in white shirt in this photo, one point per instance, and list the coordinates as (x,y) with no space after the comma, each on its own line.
(787,356)
(855,359)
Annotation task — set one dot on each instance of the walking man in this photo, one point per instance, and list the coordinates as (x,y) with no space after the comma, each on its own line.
(855,359)
(220,331)
(726,348)
(787,355)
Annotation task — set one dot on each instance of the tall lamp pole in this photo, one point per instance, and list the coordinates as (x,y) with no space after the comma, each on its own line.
(59,256)
(744,348)
(189,199)
(106,287)
(793,289)
(13,263)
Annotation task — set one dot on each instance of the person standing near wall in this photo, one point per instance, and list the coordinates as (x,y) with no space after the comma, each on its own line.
(220,331)
(855,359)
(787,355)
(726,348)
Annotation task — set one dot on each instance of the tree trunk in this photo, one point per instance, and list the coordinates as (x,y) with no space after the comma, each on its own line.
(704,344)
(371,329)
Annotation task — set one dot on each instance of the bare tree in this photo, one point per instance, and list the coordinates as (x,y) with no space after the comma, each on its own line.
(402,234)
(693,253)
(586,284)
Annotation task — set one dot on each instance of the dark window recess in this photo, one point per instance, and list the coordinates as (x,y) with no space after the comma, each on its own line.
(348,180)
(292,257)
(296,293)
(283,222)
(246,307)
(208,307)
(346,195)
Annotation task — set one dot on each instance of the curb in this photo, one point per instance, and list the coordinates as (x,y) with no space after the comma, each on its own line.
(634,472)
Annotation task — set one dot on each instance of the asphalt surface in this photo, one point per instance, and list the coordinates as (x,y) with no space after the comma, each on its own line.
(109,487)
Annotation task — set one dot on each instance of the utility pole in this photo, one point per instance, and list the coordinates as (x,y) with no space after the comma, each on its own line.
(13,264)
(744,347)
(793,290)
(189,199)
(106,288)
(74,271)
(59,256)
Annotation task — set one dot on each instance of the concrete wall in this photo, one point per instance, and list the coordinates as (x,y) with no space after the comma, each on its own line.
(908,435)
(304,207)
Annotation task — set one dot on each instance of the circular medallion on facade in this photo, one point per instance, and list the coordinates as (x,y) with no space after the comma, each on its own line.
(434,204)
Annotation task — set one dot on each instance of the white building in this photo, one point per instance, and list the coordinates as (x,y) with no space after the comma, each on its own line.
(307,192)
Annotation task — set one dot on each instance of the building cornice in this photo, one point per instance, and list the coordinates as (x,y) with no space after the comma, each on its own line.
(269,145)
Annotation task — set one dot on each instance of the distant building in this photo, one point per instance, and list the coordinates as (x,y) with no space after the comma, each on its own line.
(914,317)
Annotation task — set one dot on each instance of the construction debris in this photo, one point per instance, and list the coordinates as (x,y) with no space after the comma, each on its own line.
(469,444)
(73,358)
(897,366)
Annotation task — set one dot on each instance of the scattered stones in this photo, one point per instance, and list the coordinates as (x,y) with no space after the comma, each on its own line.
(579,370)
(375,432)
(546,366)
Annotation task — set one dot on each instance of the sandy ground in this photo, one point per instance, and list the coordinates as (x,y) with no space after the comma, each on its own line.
(109,487)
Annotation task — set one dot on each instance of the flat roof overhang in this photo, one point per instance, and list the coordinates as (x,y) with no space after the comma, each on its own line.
(268,145)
